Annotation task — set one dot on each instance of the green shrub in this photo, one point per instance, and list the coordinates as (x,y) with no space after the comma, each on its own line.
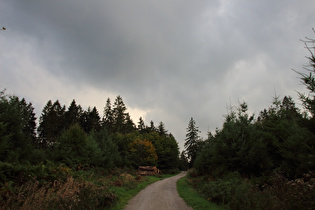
(221,191)
(273,192)
(71,194)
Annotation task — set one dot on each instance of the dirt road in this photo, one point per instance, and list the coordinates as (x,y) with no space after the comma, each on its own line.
(161,195)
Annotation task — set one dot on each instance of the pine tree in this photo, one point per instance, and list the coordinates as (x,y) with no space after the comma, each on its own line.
(73,114)
(51,123)
(191,143)
(152,127)
(161,129)
(90,120)
(288,110)
(141,125)
(107,120)
(119,114)
(308,79)
(95,119)
(29,120)
(122,122)
(168,153)
(12,139)
(129,126)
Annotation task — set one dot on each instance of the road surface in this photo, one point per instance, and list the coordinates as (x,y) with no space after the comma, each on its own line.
(161,195)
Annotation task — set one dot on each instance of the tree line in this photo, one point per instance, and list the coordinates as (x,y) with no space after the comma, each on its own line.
(281,138)
(78,137)
(263,162)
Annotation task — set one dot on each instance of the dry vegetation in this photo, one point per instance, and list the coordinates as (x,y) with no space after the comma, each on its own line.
(69,194)
(81,189)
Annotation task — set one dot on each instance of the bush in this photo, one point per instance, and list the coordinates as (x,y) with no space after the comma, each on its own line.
(234,192)
(75,148)
(71,194)
(221,191)
(275,192)
(292,194)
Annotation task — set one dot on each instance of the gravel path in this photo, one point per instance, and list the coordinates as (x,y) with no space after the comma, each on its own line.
(161,195)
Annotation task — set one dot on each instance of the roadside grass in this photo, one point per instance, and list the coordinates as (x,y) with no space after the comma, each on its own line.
(192,198)
(126,193)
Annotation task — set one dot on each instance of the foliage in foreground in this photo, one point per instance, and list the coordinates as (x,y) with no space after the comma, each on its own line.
(51,187)
(69,194)
(59,187)
(274,192)
(192,198)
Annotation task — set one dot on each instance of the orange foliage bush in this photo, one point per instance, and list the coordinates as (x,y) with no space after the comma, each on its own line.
(143,152)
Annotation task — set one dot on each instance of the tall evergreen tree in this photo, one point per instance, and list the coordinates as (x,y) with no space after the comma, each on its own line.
(168,152)
(90,120)
(51,123)
(73,114)
(119,115)
(107,120)
(141,125)
(161,129)
(95,119)
(288,110)
(10,128)
(129,126)
(308,79)
(191,141)
(17,128)
(152,127)
(28,119)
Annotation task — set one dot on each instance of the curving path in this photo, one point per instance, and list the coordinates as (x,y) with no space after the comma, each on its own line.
(161,195)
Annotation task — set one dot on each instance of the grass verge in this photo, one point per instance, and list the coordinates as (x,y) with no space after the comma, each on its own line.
(192,198)
(125,193)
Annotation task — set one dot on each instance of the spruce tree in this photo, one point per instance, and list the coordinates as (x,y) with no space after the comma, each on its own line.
(119,114)
(141,125)
(15,135)
(28,120)
(51,123)
(161,129)
(152,127)
(107,120)
(191,141)
(128,126)
(73,114)
(308,78)
(90,120)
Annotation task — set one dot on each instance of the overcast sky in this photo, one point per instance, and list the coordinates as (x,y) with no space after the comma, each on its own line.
(169,59)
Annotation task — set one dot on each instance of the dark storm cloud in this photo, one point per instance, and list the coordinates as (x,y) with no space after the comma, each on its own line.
(176,59)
